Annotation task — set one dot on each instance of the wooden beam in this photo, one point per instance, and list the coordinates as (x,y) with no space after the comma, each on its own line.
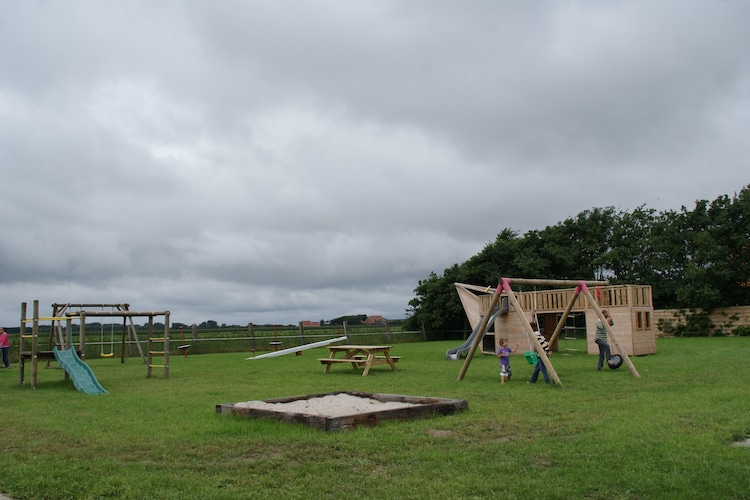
(546,282)
(535,282)
(124,307)
(117,314)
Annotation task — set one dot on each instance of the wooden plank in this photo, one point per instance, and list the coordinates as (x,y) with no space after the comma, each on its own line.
(328,361)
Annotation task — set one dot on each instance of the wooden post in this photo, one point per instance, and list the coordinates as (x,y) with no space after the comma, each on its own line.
(124,334)
(346,332)
(34,344)
(194,328)
(424,332)
(611,334)
(387,332)
(301,334)
(251,331)
(149,347)
(135,340)
(166,344)
(82,335)
(21,345)
(69,333)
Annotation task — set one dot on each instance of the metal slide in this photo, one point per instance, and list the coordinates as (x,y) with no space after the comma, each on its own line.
(79,371)
(456,352)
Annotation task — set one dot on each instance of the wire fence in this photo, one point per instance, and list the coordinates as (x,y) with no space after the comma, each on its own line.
(251,344)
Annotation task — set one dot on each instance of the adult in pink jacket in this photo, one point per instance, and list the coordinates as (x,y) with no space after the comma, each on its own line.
(5,347)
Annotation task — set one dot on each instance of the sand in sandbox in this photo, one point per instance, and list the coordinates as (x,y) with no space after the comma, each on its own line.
(335,405)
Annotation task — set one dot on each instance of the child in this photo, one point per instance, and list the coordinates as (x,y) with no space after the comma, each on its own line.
(601,339)
(539,366)
(504,353)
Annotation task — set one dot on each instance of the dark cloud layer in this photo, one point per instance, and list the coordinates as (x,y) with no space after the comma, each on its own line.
(281,161)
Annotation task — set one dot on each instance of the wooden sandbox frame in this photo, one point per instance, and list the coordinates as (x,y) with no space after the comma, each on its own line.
(422,407)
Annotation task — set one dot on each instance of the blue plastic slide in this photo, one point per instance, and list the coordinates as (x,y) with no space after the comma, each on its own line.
(79,371)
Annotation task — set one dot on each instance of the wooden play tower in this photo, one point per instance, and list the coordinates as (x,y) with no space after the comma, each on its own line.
(521,312)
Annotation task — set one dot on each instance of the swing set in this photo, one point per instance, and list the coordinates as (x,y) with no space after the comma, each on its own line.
(156,354)
(61,336)
(504,289)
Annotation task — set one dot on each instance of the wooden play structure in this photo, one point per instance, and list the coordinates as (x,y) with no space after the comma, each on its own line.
(61,336)
(553,308)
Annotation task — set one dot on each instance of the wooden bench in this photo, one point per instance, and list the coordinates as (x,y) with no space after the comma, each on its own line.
(354,361)
(364,358)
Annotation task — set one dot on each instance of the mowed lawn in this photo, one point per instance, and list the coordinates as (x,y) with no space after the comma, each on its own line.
(673,433)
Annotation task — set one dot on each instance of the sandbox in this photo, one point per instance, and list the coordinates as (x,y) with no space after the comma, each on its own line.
(344,410)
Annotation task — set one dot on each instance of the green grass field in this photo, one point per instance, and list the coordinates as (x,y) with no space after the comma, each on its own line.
(670,434)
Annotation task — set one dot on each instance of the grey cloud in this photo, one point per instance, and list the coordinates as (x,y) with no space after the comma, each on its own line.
(279,161)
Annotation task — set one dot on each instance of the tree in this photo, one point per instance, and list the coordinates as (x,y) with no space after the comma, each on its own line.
(693,259)
(631,255)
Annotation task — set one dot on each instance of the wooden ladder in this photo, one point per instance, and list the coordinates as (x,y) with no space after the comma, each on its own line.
(158,347)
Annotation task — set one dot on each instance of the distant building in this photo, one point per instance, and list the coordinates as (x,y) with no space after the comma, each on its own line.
(374,320)
(309,323)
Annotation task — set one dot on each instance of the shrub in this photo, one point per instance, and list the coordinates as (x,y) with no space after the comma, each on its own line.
(697,324)
(666,326)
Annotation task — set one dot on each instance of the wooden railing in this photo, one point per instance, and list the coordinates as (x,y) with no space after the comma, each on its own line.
(558,299)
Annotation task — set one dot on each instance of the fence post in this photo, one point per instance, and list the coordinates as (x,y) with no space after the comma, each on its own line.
(195,337)
(252,337)
(301,337)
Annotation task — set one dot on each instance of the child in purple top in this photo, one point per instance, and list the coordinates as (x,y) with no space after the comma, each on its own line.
(504,352)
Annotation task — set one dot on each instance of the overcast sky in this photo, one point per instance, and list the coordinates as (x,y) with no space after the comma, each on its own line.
(279,161)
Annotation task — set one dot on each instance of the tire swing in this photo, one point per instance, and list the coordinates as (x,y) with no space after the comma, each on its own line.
(614,362)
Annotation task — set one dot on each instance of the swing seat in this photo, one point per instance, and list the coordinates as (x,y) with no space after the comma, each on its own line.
(106,355)
(183,346)
(531,357)
(615,362)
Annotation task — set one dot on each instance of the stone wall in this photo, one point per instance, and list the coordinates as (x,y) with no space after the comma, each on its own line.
(725,318)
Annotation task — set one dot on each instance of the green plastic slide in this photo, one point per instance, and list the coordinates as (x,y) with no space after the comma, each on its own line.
(79,371)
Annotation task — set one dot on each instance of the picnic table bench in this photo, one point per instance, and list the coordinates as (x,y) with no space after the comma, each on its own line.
(360,356)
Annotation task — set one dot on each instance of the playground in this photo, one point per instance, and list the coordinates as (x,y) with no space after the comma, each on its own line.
(673,432)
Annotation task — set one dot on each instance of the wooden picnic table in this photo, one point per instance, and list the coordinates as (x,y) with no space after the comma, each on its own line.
(360,356)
